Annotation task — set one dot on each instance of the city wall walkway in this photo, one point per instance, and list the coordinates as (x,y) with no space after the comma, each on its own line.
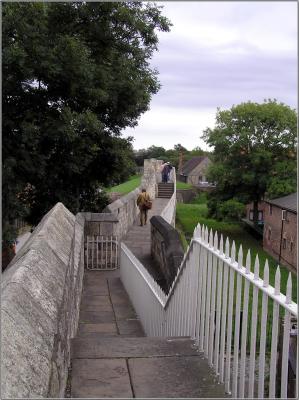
(111,357)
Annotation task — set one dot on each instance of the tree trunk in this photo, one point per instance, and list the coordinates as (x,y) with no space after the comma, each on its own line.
(255,213)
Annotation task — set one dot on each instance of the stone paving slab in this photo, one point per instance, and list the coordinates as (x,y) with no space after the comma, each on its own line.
(124,312)
(101,328)
(94,317)
(100,379)
(120,298)
(174,377)
(95,290)
(96,303)
(130,327)
(128,347)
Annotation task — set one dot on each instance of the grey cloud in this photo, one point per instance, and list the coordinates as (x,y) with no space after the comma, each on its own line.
(214,79)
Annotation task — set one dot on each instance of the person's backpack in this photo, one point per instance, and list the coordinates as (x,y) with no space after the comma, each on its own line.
(147,204)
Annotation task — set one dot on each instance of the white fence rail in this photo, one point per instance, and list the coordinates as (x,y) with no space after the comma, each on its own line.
(230,312)
(169,211)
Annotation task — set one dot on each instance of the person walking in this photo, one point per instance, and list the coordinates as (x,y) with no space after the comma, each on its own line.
(165,172)
(169,168)
(144,204)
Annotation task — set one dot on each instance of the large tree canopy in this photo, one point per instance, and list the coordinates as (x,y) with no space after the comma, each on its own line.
(74,75)
(254,152)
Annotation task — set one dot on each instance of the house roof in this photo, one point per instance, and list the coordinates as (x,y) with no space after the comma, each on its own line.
(287,202)
(191,164)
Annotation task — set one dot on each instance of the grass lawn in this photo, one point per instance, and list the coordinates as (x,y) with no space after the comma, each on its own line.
(128,186)
(183,185)
(189,215)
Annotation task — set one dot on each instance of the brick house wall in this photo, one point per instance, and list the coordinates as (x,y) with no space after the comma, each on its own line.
(199,171)
(272,234)
(261,207)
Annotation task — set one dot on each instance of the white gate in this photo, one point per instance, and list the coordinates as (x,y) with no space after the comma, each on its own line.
(101,252)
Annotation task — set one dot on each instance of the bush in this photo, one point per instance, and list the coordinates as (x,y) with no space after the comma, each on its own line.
(231,210)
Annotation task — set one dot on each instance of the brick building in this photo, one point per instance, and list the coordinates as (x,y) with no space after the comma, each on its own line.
(280,229)
(261,212)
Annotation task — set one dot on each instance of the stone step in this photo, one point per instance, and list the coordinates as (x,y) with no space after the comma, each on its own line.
(165,192)
(142,368)
(164,196)
(128,347)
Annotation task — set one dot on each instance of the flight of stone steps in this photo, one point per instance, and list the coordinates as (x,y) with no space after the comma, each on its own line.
(111,357)
(165,190)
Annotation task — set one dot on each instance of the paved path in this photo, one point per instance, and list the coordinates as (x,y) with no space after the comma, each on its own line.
(112,358)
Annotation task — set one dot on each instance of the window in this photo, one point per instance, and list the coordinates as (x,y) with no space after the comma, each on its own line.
(284,215)
(269,233)
(260,217)
(251,215)
(270,209)
(292,246)
(199,178)
(284,243)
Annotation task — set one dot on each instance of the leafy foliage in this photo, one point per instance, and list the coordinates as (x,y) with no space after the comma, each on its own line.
(231,210)
(254,153)
(171,155)
(74,75)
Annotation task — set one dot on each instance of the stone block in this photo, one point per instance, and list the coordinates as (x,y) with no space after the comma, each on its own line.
(100,379)
(106,228)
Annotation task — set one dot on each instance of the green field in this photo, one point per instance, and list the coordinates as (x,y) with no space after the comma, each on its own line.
(183,185)
(127,186)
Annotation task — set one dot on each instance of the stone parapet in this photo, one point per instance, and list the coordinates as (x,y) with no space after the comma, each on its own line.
(125,210)
(166,248)
(41,292)
(97,224)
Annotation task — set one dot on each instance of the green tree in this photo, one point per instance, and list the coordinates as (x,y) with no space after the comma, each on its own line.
(74,76)
(254,150)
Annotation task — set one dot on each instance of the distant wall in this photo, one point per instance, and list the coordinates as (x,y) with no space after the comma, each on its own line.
(166,248)
(125,209)
(169,212)
(186,195)
(149,180)
(41,293)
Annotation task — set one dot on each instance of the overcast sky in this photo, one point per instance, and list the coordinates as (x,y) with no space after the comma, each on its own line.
(218,54)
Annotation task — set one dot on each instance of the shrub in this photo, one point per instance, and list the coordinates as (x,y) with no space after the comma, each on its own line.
(231,210)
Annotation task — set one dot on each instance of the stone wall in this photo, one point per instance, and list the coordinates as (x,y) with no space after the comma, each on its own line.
(41,293)
(166,248)
(125,210)
(149,180)
(100,224)
(186,195)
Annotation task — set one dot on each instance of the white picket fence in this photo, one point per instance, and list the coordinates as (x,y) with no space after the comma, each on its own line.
(224,307)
